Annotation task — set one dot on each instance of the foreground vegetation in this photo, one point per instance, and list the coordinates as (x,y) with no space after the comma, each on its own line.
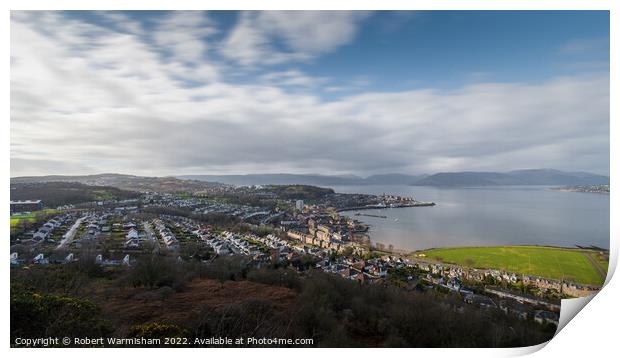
(551,262)
(161,297)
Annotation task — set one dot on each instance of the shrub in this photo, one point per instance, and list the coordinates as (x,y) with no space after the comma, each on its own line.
(252,318)
(35,315)
(61,279)
(87,263)
(157,271)
(157,330)
(280,277)
(224,269)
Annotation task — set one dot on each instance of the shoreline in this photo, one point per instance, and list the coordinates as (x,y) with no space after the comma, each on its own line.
(398,251)
(398,206)
(541,246)
(591,189)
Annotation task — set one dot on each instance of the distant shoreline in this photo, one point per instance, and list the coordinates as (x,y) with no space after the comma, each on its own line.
(577,247)
(398,251)
(592,189)
(370,207)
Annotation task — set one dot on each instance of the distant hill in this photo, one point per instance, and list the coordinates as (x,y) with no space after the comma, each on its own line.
(207,182)
(467,178)
(94,179)
(306,179)
(275,179)
(552,177)
(393,179)
(126,182)
(517,177)
(54,194)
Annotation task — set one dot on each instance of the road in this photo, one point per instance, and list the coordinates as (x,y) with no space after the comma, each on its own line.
(151,235)
(68,237)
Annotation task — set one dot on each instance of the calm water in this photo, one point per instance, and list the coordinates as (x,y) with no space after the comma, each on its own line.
(513,215)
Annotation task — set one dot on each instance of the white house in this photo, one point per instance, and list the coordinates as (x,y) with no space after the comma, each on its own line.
(132,234)
(40,260)
(39,235)
(132,243)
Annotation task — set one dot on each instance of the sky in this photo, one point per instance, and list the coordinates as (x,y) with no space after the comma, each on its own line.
(327,92)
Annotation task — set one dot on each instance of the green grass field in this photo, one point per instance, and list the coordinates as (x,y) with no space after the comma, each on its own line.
(602,260)
(16,218)
(550,262)
(31,216)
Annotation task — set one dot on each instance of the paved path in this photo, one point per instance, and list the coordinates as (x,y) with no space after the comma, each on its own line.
(151,235)
(598,267)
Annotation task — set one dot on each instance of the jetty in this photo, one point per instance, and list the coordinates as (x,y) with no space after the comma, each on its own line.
(371,215)
(391,206)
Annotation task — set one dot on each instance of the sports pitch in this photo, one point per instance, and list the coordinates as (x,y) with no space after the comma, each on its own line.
(30,216)
(544,261)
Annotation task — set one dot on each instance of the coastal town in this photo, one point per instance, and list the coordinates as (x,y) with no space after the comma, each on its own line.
(296,226)
(601,189)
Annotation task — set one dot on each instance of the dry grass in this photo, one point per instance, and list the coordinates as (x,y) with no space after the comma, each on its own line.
(130,306)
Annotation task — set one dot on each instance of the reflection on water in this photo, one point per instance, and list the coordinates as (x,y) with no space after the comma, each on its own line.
(508,215)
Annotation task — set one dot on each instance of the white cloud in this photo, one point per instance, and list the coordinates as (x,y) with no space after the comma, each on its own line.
(303,35)
(312,32)
(182,33)
(292,77)
(581,46)
(123,22)
(109,102)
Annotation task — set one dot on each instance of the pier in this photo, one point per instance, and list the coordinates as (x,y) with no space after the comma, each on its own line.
(391,206)
(371,215)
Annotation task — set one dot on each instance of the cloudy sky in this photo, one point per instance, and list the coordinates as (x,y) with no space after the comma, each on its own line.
(171,93)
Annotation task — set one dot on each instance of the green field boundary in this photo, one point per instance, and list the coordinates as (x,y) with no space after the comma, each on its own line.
(506,246)
(15,219)
(596,264)
(561,263)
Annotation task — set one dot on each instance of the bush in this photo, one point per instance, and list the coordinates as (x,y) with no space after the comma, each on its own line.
(231,268)
(35,315)
(157,330)
(305,262)
(157,271)
(60,279)
(87,263)
(331,310)
(336,312)
(159,294)
(280,277)
(252,318)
